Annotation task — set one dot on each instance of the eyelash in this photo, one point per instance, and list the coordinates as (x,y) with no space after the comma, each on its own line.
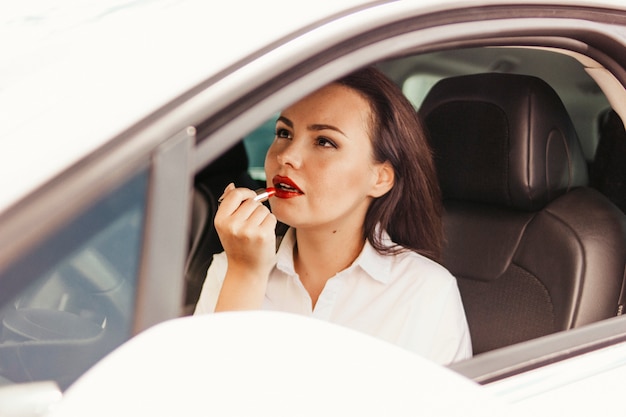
(325,141)
(282,133)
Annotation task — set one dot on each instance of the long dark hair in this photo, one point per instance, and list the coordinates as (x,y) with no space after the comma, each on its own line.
(411,211)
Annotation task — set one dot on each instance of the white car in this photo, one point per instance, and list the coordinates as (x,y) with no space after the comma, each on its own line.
(121,121)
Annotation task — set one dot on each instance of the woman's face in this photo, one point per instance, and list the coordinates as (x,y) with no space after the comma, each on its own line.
(321,161)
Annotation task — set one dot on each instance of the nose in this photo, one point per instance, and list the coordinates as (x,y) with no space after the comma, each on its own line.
(290,155)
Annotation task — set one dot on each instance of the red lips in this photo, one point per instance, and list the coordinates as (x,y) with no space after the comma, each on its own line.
(285,187)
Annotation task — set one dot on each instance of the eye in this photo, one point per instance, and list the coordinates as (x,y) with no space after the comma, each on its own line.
(325,142)
(283,133)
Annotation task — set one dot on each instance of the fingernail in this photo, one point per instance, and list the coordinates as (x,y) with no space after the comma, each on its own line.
(229,186)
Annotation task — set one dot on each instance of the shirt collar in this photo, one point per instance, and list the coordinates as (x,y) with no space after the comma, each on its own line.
(284,255)
(376,265)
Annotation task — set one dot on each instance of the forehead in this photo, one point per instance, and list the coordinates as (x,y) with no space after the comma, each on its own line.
(333,103)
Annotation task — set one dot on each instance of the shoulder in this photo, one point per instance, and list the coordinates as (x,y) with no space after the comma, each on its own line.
(426,295)
(410,264)
(406,263)
(386,267)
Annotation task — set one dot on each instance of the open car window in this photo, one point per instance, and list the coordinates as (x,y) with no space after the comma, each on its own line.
(585,102)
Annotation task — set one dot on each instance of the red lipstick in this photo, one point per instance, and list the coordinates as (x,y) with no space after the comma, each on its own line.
(285,187)
(263,194)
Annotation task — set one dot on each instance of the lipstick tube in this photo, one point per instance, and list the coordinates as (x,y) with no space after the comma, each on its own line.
(263,194)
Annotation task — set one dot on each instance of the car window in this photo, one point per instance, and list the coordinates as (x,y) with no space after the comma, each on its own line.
(72,297)
(417,74)
(416,86)
(257,142)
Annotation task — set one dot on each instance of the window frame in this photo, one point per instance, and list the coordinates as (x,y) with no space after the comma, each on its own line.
(55,205)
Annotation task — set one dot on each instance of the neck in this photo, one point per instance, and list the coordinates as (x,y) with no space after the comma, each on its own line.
(321,254)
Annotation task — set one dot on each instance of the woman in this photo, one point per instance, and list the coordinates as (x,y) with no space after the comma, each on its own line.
(355,180)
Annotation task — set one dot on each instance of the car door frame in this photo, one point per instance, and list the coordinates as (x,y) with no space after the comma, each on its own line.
(582,30)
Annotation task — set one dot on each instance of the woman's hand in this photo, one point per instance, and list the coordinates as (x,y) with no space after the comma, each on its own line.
(246,230)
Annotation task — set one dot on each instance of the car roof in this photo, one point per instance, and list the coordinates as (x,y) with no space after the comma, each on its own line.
(79,75)
(73,76)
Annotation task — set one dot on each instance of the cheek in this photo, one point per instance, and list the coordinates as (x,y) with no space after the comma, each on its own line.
(270,159)
(343,180)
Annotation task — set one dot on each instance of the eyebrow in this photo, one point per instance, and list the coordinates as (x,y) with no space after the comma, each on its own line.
(315,127)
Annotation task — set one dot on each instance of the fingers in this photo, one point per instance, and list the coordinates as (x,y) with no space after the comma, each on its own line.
(233,199)
(229,187)
(246,229)
(249,219)
(240,216)
(231,193)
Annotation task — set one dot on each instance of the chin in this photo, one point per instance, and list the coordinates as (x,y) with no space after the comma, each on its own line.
(283,214)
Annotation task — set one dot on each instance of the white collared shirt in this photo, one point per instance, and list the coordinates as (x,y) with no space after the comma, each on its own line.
(406,299)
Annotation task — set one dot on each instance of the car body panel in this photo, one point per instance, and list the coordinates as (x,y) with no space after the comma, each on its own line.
(233,364)
(60,92)
(590,384)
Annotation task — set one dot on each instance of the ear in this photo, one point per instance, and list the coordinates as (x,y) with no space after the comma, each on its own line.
(384,176)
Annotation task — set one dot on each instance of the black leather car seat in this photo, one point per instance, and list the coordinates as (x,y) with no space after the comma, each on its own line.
(608,170)
(534,249)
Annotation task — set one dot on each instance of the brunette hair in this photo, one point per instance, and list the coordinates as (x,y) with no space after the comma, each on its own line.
(411,211)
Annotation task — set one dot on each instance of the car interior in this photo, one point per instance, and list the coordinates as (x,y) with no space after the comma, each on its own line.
(530,159)
(530,156)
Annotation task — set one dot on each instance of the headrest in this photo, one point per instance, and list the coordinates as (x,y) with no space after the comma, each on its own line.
(233,160)
(502,139)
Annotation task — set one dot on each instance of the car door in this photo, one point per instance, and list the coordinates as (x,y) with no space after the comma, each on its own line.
(106,272)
